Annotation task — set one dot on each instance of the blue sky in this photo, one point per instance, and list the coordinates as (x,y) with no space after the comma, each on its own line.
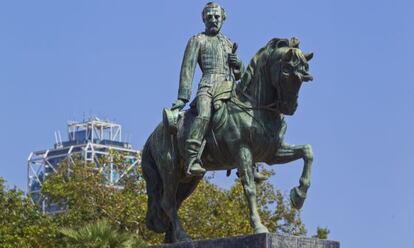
(63,60)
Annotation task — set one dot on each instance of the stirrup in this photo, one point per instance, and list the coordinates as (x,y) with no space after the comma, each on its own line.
(195,169)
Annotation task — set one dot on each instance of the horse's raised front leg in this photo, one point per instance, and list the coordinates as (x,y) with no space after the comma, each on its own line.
(169,204)
(288,153)
(245,170)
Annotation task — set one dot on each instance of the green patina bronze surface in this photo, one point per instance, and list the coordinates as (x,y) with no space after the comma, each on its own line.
(231,125)
(215,54)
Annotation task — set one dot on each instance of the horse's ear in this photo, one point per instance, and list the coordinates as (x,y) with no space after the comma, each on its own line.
(308,56)
(294,42)
(288,55)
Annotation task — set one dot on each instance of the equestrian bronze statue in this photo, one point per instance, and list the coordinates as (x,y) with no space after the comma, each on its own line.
(247,126)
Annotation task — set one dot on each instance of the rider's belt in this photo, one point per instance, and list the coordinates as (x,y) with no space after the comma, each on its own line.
(208,72)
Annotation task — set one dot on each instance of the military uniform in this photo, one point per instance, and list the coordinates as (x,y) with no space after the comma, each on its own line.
(211,54)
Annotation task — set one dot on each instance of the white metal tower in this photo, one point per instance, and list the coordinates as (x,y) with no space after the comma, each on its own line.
(89,140)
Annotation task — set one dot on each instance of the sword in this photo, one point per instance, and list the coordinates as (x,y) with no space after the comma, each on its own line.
(233,51)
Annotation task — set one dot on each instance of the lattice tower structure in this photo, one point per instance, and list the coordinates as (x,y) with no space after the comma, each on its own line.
(89,140)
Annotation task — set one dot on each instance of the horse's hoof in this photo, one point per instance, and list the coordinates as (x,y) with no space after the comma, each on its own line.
(187,239)
(297,198)
(260,178)
(261,229)
(183,237)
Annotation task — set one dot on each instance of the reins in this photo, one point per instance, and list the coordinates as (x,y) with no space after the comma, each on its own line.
(272,107)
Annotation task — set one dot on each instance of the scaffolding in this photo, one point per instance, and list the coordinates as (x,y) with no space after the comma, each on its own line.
(89,140)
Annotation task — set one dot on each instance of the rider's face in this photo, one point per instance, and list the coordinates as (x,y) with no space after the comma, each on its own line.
(213,20)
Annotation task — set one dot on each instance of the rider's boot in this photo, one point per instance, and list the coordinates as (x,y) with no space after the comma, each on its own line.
(193,146)
(194,167)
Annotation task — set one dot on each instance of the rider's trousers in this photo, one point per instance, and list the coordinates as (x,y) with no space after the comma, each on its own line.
(198,128)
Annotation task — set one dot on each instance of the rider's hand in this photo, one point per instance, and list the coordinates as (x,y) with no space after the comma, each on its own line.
(234,61)
(179,104)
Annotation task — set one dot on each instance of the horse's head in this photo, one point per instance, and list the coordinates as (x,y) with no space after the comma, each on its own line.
(288,67)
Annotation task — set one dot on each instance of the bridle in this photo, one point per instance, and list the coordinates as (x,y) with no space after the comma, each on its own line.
(272,107)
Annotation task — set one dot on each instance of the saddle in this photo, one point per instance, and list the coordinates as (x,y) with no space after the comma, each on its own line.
(220,92)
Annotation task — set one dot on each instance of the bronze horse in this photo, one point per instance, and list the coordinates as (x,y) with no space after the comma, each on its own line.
(246,128)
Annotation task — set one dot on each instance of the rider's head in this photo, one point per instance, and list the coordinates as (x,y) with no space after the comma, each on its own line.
(213,17)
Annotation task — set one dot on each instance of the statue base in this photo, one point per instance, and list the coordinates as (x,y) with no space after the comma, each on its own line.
(265,240)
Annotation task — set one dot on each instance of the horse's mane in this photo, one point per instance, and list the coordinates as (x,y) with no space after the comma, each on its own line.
(253,72)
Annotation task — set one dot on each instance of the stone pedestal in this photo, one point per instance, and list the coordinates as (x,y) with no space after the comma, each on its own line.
(256,241)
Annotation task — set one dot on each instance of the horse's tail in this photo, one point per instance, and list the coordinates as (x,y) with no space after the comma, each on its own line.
(156,219)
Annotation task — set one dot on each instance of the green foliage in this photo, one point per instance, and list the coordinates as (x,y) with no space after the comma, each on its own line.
(21,224)
(98,235)
(322,233)
(210,212)
(87,199)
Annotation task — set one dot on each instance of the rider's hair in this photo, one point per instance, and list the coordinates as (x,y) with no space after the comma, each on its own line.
(212,5)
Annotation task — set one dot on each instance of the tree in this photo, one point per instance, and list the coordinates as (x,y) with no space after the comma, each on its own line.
(21,224)
(321,233)
(80,186)
(210,212)
(98,235)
